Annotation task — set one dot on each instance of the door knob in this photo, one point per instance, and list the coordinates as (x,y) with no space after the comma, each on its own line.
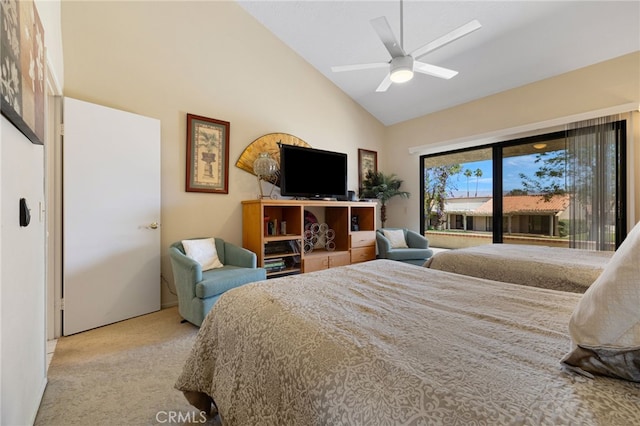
(154,225)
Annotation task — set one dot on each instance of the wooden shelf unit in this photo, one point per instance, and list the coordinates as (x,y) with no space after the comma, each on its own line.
(284,253)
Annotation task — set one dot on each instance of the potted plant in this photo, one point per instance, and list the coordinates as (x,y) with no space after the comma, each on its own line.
(383,187)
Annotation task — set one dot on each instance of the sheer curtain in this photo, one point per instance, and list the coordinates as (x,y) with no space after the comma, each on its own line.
(595,181)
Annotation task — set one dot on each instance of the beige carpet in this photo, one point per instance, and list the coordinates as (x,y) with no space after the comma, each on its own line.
(121,374)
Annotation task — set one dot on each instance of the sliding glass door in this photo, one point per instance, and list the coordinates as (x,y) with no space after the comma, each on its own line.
(535,201)
(563,189)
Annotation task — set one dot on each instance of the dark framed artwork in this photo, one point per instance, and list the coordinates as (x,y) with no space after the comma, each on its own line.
(207,155)
(367,160)
(22,66)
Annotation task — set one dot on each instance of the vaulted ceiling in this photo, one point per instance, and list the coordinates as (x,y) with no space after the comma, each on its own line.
(520,42)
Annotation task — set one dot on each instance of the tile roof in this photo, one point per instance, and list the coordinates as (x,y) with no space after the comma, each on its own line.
(526,204)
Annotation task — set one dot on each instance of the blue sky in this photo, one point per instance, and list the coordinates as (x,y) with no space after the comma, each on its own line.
(512,168)
(484,183)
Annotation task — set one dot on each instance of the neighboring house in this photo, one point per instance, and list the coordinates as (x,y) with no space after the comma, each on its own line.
(461,214)
(523,214)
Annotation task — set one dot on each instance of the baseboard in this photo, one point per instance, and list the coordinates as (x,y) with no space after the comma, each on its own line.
(169,305)
(43,387)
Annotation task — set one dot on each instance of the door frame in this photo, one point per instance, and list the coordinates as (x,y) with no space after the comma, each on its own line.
(53,206)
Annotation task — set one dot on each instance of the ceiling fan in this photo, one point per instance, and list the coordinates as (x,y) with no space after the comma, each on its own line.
(403,65)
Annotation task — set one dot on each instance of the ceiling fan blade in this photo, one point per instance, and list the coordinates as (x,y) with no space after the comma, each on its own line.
(434,70)
(462,31)
(385,84)
(357,67)
(381,25)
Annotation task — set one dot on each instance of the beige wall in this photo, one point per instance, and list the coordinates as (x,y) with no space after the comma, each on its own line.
(167,59)
(605,85)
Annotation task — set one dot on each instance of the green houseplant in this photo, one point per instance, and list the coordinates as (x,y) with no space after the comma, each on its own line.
(383,187)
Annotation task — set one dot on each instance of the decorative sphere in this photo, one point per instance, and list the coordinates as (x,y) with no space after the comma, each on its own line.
(264,165)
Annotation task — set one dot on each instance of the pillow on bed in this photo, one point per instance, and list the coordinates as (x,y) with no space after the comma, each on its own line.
(396,236)
(605,325)
(204,252)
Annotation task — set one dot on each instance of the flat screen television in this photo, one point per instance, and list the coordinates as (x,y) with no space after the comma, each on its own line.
(312,173)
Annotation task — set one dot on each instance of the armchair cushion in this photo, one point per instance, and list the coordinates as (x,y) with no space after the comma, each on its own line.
(396,237)
(203,251)
(409,253)
(218,281)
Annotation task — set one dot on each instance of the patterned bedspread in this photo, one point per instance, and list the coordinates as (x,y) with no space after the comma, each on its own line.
(538,266)
(387,343)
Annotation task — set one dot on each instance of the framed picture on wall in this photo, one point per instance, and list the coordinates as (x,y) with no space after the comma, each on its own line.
(23,68)
(207,155)
(367,160)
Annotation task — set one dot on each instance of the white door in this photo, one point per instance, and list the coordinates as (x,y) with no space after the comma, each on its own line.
(111,211)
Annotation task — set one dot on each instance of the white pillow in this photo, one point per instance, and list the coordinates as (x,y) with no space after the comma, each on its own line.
(396,236)
(204,252)
(605,324)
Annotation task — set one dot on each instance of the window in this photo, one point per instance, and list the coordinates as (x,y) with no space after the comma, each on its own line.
(535,200)
(564,189)
(454,186)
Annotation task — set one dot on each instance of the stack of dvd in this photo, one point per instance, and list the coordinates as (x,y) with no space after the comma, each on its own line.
(275,264)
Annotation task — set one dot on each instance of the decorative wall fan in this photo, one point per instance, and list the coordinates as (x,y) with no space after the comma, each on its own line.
(403,65)
(266,143)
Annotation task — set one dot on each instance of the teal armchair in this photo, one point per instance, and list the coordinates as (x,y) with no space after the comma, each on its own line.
(198,290)
(417,251)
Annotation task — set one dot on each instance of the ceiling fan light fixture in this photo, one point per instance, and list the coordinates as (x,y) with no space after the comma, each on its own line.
(401,69)
(401,75)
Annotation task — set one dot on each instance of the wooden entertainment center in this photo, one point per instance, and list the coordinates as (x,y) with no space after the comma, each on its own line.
(281,249)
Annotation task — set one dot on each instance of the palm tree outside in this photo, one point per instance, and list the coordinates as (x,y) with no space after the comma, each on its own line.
(478,175)
(467,174)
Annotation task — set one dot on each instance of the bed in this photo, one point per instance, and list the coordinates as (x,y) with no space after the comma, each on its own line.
(389,343)
(539,266)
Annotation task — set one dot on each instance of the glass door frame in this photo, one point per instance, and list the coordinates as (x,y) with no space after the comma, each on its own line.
(497,169)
